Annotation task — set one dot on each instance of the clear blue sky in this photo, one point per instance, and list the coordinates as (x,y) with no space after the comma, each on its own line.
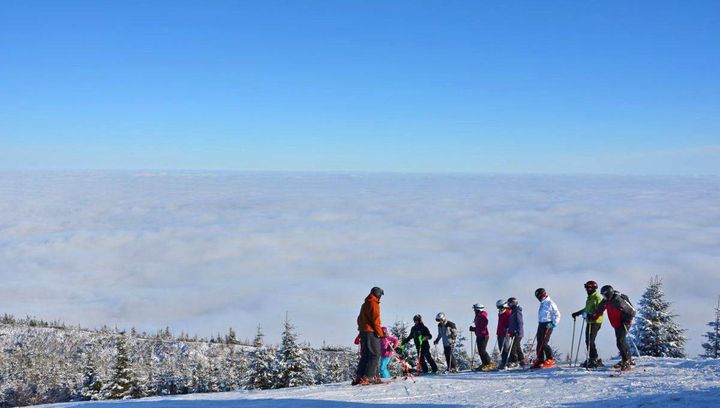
(419,86)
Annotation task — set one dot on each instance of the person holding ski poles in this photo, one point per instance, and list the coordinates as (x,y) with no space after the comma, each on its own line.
(548,319)
(516,331)
(620,313)
(592,326)
(503,337)
(387,347)
(420,334)
(447,332)
(482,336)
(371,332)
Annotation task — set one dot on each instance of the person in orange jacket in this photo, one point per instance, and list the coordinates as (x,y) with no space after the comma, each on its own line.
(371,332)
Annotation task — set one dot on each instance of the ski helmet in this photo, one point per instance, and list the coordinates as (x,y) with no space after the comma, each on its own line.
(501,304)
(440,317)
(607,291)
(478,307)
(540,293)
(377,292)
(512,302)
(417,318)
(591,285)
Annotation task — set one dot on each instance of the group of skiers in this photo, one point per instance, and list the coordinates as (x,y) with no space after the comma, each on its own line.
(377,346)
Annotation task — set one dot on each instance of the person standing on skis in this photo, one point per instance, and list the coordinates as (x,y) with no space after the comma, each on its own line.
(592,326)
(420,334)
(620,313)
(371,332)
(548,319)
(387,348)
(482,336)
(503,337)
(447,332)
(516,331)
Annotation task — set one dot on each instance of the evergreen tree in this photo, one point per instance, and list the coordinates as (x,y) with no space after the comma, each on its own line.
(123,383)
(712,347)
(461,357)
(294,370)
(91,385)
(656,332)
(262,372)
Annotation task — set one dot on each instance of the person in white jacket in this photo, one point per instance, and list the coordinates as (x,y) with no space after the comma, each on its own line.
(548,319)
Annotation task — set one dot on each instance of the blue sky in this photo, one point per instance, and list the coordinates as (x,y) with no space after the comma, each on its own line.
(408,86)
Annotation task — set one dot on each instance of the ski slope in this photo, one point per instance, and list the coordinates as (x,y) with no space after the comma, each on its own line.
(655,382)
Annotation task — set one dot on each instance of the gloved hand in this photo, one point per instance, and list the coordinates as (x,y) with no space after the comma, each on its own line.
(550,325)
(576,314)
(436,342)
(472,328)
(585,315)
(401,347)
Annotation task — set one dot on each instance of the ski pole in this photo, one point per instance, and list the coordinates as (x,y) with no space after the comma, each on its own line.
(472,352)
(582,330)
(587,347)
(509,350)
(627,330)
(572,344)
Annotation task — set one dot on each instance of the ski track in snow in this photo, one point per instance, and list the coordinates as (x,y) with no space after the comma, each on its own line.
(654,382)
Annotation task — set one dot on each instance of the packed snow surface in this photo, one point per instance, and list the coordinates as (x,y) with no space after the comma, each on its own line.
(654,382)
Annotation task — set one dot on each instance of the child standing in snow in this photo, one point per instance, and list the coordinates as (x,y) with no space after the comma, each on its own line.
(387,347)
(420,334)
(548,319)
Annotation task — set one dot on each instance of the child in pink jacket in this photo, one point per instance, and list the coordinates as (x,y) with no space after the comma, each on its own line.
(387,348)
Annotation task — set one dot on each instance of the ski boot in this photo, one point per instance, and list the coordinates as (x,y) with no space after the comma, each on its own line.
(549,363)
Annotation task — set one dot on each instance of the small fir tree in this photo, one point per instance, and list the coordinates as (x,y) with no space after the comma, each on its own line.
(294,370)
(461,356)
(712,346)
(656,332)
(262,370)
(123,384)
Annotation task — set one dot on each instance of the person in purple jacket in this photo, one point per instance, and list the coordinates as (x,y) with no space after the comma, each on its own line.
(516,331)
(483,335)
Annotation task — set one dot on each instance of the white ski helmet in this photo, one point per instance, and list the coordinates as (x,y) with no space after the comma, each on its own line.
(501,304)
(478,306)
(440,317)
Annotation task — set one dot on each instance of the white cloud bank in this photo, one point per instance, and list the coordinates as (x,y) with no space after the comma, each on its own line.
(201,252)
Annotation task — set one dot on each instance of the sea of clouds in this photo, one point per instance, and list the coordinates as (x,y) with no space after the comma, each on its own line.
(201,252)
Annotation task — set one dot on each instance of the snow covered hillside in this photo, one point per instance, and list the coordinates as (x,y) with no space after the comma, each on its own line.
(655,382)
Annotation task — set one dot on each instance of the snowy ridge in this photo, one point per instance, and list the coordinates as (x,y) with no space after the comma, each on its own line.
(655,382)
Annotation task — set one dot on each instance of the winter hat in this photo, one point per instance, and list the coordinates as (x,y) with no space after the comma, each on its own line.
(377,292)
(512,302)
(417,318)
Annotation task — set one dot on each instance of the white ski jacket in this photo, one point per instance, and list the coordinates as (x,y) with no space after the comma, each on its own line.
(548,312)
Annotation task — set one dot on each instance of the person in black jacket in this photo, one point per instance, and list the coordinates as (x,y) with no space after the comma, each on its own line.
(516,331)
(420,334)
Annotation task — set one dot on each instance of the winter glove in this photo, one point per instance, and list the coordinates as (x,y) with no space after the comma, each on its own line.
(436,342)
(585,315)
(576,314)
(472,328)
(550,325)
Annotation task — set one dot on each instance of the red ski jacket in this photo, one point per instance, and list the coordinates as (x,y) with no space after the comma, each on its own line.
(503,323)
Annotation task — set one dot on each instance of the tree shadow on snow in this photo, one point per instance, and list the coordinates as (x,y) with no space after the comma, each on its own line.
(690,398)
(254,403)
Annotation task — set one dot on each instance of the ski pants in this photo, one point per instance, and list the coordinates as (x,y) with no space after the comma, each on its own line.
(449,358)
(544,351)
(384,372)
(482,349)
(621,341)
(591,331)
(426,357)
(516,354)
(369,355)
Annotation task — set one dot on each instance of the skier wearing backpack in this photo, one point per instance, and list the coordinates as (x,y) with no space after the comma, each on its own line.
(420,335)
(447,332)
(503,337)
(482,336)
(620,313)
(371,332)
(592,325)
(516,331)
(387,347)
(548,319)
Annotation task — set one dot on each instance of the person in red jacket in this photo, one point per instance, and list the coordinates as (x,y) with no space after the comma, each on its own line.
(482,336)
(371,332)
(503,326)
(620,313)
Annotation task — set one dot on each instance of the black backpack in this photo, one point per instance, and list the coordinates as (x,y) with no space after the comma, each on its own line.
(627,299)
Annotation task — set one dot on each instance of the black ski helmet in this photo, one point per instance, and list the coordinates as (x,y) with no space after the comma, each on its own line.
(417,318)
(606,291)
(591,285)
(512,302)
(377,292)
(540,293)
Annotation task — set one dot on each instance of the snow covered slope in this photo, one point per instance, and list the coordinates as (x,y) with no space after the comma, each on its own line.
(655,382)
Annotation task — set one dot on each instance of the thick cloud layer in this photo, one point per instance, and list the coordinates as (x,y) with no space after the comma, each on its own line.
(202,252)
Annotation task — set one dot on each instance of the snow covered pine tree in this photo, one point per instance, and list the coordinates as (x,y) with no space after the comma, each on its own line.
(294,369)
(712,347)
(656,331)
(263,370)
